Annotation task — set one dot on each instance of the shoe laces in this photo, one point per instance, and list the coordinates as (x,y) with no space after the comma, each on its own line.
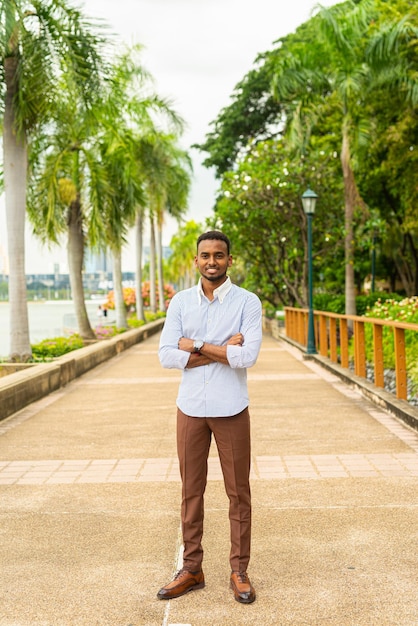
(242,577)
(183,572)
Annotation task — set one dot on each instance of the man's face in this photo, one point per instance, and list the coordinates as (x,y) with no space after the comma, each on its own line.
(213,260)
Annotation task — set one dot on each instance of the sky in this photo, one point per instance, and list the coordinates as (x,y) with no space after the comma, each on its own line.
(196,51)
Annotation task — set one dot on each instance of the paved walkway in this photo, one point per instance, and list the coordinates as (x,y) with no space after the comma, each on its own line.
(90,492)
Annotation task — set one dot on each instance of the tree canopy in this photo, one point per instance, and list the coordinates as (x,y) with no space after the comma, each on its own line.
(344,84)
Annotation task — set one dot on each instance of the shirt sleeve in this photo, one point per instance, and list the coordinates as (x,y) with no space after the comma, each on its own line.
(251,327)
(169,354)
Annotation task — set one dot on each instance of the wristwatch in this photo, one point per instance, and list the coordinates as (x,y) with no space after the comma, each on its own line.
(198,345)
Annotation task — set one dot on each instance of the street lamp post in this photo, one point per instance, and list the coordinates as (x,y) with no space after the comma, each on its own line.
(373,262)
(309,201)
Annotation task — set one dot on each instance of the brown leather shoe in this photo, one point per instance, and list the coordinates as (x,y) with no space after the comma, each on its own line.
(183,582)
(243,590)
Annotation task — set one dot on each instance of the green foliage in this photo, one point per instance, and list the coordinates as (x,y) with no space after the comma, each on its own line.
(349,72)
(336,303)
(404,310)
(51,348)
(260,208)
(180,268)
(134,322)
(400,310)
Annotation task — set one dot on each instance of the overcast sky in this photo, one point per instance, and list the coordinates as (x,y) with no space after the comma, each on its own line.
(197,51)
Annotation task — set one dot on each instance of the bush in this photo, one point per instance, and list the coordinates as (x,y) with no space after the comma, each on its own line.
(105,332)
(405,310)
(336,303)
(329,302)
(51,348)
(129,297)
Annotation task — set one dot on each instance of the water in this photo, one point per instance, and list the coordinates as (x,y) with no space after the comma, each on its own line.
(53,318)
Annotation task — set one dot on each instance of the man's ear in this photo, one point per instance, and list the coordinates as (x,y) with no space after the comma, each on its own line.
(195,261)
(230,261)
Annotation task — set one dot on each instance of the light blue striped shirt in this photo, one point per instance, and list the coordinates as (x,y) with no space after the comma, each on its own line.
(213,390)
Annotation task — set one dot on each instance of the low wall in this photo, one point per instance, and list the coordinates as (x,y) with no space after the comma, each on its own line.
(19,389)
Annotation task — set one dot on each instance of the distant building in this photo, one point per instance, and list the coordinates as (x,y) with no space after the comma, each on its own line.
(97,262)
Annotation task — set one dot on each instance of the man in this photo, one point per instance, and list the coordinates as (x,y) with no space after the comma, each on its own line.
(213,334)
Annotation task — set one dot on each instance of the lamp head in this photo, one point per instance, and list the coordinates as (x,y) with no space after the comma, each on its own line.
(309,201)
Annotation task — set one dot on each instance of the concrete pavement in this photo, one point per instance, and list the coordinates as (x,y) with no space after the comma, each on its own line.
(90,494)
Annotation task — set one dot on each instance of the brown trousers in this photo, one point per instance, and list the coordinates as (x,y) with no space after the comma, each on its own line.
(232,436)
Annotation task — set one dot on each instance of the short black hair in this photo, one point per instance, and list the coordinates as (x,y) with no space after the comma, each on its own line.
(215,234)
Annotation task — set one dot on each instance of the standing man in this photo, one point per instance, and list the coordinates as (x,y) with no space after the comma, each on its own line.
(213,334)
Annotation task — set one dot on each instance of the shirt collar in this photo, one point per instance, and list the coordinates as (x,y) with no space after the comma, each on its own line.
(220,292)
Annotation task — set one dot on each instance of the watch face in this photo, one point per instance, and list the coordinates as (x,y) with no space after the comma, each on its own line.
(198,344)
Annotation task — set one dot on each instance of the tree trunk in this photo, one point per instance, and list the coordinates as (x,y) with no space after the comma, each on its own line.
(350,198)
(152,269)
(75,250)
(161,299)
(413,265)
(15,173)
(120,308)
(139,230)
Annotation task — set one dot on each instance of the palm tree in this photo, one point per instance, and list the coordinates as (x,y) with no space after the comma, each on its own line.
(343,63)
(139,245)
(183,252)
(124,178)
(136,109)
(69,190)
(167,185)
(38,39)
(177,193)
(341,79)
(87,180)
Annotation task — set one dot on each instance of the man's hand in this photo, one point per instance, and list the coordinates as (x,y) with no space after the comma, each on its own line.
(236,340)
(186,344)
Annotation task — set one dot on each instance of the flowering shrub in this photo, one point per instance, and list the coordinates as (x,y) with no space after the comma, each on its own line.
(105,332)
(50,348)
(405,310)
(168,294)
(129,296)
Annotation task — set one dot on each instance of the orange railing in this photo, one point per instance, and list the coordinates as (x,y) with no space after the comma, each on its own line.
(332,332)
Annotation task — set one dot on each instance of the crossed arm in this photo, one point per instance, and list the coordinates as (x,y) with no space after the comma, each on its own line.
(209,353)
